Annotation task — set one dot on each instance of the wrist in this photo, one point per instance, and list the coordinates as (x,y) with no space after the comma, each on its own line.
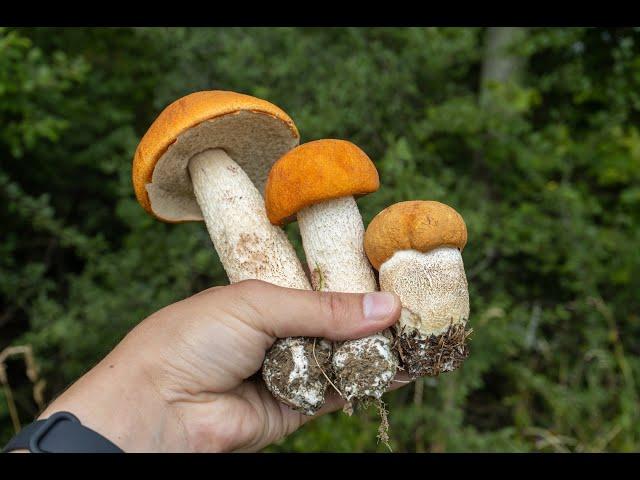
(118,400)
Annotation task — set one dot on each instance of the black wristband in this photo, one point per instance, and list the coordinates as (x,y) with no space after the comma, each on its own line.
(62,432)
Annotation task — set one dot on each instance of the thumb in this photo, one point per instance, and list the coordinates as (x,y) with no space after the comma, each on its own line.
(287,312)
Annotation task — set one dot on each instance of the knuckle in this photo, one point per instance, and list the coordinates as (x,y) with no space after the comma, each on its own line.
(215,435)
(335,308)
(251,285)
(248,295)
(251,291)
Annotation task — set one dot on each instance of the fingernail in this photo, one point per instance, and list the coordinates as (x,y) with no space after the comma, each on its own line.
(378,306)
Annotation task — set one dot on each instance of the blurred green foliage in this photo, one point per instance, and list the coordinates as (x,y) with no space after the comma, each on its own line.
(543,164)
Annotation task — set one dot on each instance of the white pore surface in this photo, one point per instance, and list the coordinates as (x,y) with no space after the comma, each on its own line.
(248,245)
(255,141)
(333,238)
(432,287)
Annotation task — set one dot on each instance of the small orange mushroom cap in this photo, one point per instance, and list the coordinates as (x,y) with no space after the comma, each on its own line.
(191,110)
(414,225)
(314,172)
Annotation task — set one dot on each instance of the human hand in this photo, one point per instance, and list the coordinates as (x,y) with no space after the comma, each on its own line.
(184,378)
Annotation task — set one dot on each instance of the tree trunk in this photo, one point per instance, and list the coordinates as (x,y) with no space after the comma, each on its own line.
(500,65)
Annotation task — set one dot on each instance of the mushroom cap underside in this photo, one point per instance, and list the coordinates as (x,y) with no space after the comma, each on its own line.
(253,132)
(315,172)
(420,225)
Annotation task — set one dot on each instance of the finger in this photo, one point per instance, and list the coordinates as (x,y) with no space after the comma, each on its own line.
(286,312)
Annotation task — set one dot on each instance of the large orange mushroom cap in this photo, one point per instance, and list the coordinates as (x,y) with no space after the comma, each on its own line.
(414,225)
(254,132)
(314,172)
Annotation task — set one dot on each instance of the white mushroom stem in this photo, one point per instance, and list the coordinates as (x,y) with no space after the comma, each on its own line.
(333,238)
(248,245)
(432,287)
(332,235)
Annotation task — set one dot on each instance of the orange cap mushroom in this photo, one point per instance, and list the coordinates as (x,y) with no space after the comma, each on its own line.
(254,132)
(413,225)
(314,172)
(416,246)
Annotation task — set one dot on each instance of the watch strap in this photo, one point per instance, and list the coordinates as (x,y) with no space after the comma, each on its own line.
(62,432)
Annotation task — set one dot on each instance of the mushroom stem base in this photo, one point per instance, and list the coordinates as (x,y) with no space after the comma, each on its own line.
(431,355)
(364,368)
(296,371)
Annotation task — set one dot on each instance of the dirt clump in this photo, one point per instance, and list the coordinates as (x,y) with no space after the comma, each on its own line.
(297,370)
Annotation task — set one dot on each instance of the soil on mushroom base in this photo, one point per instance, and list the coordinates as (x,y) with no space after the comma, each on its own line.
(364,368)
(299,382)
(434,354)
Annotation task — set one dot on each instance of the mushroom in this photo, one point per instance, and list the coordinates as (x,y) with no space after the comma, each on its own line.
(206,157)
(416,247)
(317,182)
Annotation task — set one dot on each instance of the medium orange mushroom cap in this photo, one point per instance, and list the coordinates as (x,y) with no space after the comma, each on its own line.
(315,172)
(414,225)
(184,114)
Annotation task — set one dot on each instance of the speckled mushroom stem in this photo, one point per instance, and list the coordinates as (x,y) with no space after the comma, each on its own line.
(250,247)
(332,235)
(432,287)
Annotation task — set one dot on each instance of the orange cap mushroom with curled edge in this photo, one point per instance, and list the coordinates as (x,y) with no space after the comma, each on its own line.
(252,131)
(314,172)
